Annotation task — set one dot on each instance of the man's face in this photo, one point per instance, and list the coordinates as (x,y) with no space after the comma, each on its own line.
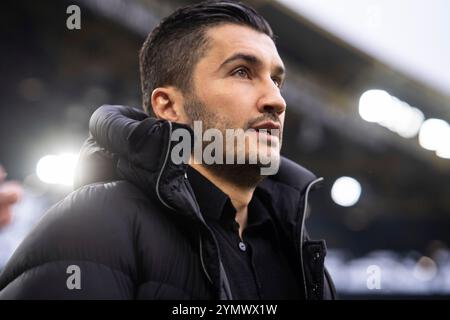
(236,84)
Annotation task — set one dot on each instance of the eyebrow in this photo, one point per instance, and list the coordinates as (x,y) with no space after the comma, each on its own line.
(253,60)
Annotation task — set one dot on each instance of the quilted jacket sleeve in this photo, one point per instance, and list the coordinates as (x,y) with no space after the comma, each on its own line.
(79,250)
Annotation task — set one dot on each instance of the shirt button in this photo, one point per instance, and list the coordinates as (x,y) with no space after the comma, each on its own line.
(242,246)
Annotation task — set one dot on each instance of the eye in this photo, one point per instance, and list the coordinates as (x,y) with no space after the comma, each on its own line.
(277,82)
(242,73)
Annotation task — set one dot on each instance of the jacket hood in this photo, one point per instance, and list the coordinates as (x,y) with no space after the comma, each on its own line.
(125,143)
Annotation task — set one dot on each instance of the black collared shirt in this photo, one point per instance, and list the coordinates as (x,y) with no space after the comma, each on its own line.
(256,266)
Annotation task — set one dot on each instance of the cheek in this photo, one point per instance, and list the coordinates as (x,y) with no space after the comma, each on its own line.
(233,101)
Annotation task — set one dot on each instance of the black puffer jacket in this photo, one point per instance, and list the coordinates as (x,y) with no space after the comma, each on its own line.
(139,232)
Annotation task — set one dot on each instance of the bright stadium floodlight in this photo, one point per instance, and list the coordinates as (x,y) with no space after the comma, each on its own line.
(346,191)
(392,113)
(57,169)
(432,134)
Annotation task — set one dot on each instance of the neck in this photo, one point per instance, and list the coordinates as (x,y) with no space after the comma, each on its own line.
(238,183)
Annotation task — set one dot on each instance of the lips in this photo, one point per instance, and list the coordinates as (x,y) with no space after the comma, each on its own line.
(267,125)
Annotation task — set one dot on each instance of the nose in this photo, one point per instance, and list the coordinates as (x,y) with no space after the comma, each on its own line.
(271,100)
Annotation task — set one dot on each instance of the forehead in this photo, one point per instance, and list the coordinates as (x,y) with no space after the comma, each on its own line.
(224,40)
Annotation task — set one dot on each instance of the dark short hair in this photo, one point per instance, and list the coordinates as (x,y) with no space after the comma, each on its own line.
(171,51)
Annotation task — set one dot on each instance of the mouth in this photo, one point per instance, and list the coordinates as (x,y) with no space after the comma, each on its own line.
(267,126)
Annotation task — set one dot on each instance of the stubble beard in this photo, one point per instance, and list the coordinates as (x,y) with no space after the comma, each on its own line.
(245,175)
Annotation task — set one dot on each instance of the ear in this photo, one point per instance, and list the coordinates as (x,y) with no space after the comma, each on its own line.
(167,103)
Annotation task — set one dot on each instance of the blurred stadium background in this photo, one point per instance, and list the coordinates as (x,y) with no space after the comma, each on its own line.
(368,94)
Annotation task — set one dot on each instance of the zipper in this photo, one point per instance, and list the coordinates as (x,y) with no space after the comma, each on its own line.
(222,274)
(223,278)
(305,207)
(202,262)
(163,167)
(170,207)
(224,283)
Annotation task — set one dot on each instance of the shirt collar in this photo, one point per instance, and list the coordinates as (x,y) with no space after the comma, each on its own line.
(216,205)
(211,199)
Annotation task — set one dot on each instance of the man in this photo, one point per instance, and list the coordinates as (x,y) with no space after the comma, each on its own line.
(161,229)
